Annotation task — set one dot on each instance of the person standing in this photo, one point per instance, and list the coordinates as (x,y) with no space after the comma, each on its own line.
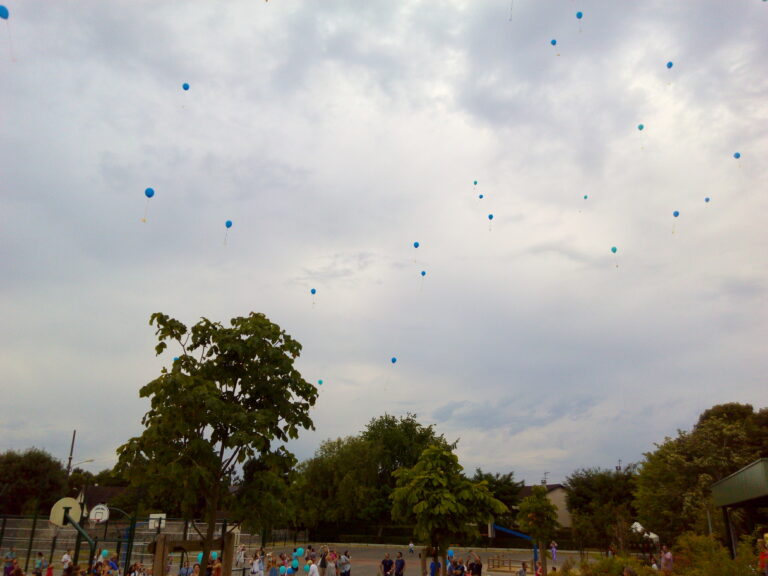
(386,565)
(66,560)
(523,570)
(553,551)
(411,547)
(666,560)
(762,557)
(10,557)
(313,571)
(345,564)
(399,564)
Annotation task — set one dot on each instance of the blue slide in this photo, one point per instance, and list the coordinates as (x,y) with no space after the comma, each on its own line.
(514,533)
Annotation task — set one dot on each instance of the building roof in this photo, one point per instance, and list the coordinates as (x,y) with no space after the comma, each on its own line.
(525,491)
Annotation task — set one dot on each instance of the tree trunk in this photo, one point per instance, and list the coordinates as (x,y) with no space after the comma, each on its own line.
(543,557)
(210,530)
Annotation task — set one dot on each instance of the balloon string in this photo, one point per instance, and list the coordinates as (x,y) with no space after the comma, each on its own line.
(146,209)
(10,41)
(225,237)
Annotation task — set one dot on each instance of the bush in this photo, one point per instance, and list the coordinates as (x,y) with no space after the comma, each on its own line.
(704,556)
(614,566)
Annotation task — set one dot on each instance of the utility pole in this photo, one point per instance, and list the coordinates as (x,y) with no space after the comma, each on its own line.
(71,450)
(544,479)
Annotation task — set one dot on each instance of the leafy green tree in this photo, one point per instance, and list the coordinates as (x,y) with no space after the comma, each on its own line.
(78,480)
(30,481)
(537,516)
(261,498)
(350,479)
(339,484)
(673,485)
(442,503)
(230,396)
(602,504)
(503,487)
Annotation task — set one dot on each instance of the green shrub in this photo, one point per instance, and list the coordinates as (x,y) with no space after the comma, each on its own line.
(697,555)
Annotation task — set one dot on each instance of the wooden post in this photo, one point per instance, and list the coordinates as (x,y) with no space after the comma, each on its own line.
(229,553)
(158,564)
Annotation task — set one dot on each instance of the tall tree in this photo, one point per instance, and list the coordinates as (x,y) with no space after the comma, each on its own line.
(673,485)
(602,504)
(229,396)
(538,517)
(30,481)
(503,487)
(443,504)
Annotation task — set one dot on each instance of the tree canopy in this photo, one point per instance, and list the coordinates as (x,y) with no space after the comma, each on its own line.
(230,395)
(537,516)
(350,479)
(30,481)
(602,507)
(441,502)
(673,485)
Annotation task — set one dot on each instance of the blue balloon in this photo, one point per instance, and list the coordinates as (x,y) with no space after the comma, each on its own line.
(669,64)
(423,273)
(175,358)
(228,223)
(481,196)
(295,564)
(675,213)
(300,551)
(640,126)
(416,244)
(185,86)
(706,199)
(149,192)
(614,249)
(306,567)
(394,360)
(579,15)
(4,13)
(313,291)
(490,216)
(553,42)
(475,182)
(199,557)
(289,571)
(104,553)
(585,196)
(737,155)
(214,555)
(282,569)
(320,382)
(450,553)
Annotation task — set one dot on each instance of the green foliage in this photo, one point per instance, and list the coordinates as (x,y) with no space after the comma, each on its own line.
(261,498)
(673,485)
(78,480)
(440,501)
(231,395)
(537,516)
(614,566)
(697,555)
(30,481)
(350,479)
(601,504)
(503,487)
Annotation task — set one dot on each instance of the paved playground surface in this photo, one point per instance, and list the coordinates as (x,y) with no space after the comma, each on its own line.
(367,558)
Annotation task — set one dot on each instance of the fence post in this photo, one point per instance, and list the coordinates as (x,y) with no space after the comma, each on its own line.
(31,538)
(2,531)
(129,545)
(53,546)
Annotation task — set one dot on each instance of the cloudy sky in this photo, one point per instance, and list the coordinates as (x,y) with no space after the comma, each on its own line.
(335,134)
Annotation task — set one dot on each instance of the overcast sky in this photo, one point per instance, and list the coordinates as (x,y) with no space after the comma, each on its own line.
(335,134)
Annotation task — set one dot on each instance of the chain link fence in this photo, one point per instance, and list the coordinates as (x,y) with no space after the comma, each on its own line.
(30,535)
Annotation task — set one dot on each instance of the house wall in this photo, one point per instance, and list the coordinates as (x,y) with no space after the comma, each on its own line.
(557,497)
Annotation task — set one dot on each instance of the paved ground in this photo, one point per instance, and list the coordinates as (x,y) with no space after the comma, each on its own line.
(366,558)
